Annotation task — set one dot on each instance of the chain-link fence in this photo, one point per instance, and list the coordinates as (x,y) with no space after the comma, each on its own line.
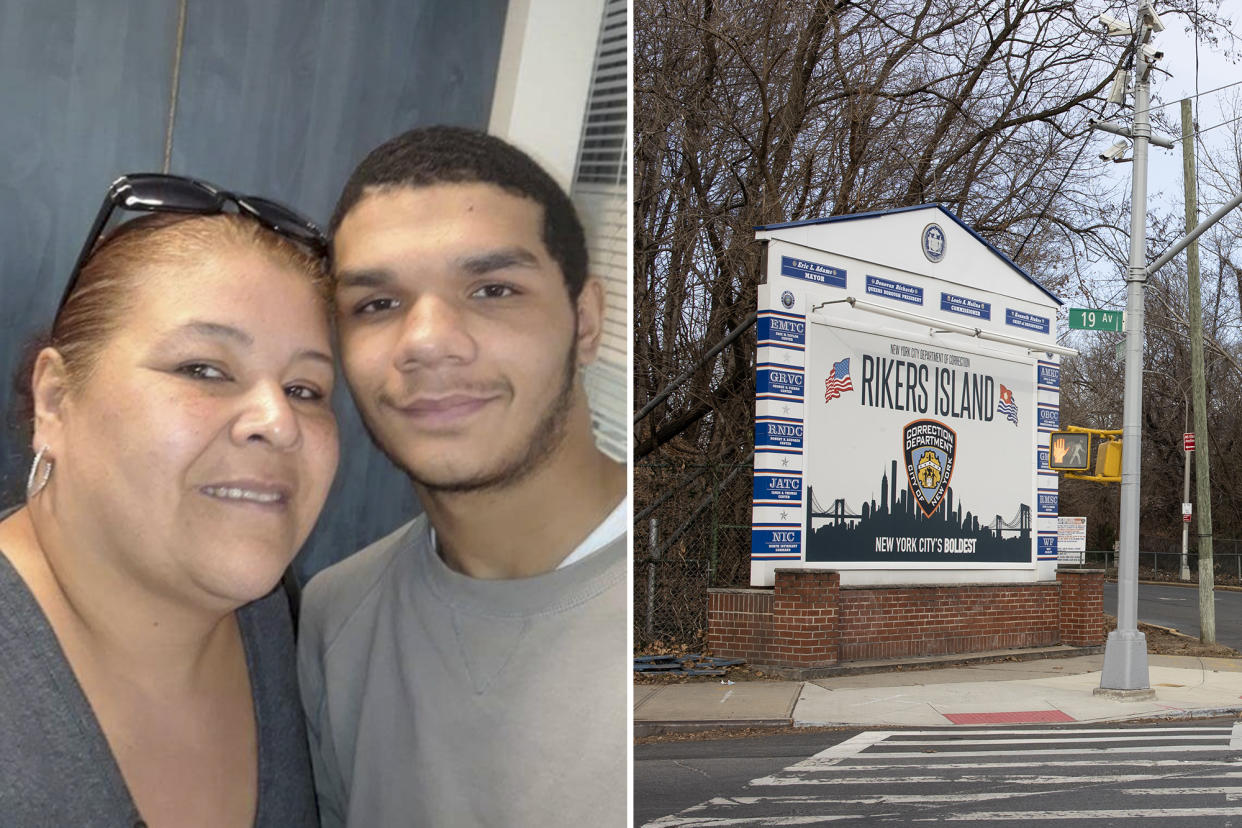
(1161,559)
(691,532)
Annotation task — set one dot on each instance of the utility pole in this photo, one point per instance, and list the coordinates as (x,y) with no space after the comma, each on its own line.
(1203,475)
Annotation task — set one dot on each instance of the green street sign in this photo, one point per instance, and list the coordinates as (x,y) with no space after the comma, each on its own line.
(1086,319)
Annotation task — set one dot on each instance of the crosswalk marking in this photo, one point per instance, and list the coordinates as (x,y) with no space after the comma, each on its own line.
(1091,739)
(1163,815)
(947,775)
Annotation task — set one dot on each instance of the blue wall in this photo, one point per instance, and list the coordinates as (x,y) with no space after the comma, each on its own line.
(280,98)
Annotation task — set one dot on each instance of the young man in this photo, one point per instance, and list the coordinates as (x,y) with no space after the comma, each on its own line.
(469,669)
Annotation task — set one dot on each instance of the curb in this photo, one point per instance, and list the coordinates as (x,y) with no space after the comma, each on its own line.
(1187,584)
(659,728)
(1200,713)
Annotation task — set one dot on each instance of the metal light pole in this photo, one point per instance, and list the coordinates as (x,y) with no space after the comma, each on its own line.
(1125,652)
(1184,574)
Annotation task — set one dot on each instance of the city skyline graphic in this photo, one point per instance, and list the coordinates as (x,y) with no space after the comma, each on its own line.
(895,529)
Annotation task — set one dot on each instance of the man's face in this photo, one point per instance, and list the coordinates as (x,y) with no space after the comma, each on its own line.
(457,332)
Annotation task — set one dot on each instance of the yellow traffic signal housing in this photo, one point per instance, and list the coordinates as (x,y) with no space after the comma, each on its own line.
(1108,459)
(1069,451)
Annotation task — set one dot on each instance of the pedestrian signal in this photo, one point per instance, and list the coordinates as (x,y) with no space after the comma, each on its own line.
(1069,451)
(1108,459)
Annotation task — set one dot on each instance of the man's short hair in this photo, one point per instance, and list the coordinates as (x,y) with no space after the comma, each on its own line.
(454,155)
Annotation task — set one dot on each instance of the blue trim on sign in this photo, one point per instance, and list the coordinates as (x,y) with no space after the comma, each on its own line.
(941,208)
(796,317)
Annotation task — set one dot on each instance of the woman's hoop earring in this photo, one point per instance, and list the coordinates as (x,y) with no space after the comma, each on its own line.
(33,487)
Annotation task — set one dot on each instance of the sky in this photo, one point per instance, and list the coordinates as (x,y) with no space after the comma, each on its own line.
(1217,67)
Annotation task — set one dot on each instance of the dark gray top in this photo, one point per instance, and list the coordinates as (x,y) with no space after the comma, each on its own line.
(55,764)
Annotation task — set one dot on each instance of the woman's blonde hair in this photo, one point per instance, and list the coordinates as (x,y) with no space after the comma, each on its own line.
(106,287)
(105,290)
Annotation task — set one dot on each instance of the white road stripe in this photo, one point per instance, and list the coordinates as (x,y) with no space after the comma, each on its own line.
(1235,736)
(1084,740)
(850,747)
(1060,731)
(725,698)
(1013,779)
(1083,751)
(1032,816)
(1061,763)
(679,820)
(962,798)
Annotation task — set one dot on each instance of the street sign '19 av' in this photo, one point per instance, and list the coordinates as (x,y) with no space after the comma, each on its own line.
(1086,319)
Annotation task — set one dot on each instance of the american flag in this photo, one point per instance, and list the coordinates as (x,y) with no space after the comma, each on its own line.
(1007,406)
(838,380)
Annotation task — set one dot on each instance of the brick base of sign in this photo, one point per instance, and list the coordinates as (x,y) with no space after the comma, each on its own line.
(808,621)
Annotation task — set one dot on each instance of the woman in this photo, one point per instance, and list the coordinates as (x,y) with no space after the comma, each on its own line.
(185,444)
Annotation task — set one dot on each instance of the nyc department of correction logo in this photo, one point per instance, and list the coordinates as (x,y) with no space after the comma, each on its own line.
(933,242)
(787,299)
(929,450)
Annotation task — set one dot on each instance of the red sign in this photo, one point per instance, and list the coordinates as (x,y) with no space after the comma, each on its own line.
(1188,441)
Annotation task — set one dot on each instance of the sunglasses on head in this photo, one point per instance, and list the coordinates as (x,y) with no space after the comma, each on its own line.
(160,193)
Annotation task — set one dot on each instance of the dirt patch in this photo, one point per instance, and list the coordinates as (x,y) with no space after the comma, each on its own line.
(1163,641)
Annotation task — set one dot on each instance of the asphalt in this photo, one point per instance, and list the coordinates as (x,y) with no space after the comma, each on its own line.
(1000,688)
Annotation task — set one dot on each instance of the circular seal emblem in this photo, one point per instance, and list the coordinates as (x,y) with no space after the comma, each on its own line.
(933,242)
(787,299)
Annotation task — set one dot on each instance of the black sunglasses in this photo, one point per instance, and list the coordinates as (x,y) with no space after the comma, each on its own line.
(160,193)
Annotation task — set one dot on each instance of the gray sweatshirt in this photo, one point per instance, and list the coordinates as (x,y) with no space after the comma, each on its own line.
(435,699)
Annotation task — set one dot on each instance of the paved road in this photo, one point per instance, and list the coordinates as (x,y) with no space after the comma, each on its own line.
(1178,607)
(1099,775)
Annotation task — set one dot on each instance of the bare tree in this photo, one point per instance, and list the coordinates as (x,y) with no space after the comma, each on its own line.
(749,114)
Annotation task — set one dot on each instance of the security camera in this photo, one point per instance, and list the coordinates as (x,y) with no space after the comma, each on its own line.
(1117,92)
(1148,13)
(1151,53)
(1114,27)
(1114,152)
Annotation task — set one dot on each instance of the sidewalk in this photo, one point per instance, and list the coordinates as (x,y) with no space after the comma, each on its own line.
(994,693)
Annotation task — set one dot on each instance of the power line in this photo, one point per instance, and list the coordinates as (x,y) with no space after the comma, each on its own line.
(1214,126)
(1196,95)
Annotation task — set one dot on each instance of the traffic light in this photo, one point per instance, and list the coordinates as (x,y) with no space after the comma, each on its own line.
(1070,451)
(1108,459)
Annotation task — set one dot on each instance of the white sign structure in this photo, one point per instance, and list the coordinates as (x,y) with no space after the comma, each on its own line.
(906,385)
(1071,539)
